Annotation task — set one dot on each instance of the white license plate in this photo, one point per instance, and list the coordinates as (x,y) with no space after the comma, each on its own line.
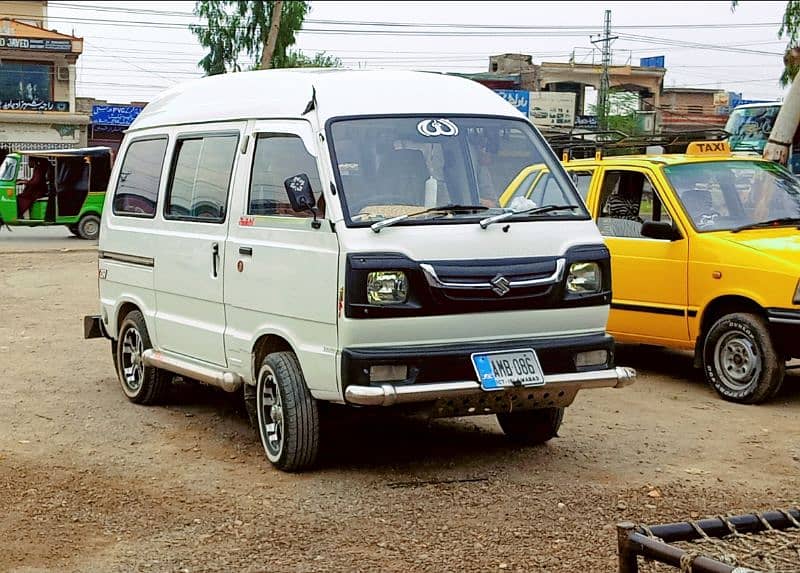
(498,370)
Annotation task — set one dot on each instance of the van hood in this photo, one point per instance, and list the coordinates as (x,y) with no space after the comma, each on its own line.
(780,244)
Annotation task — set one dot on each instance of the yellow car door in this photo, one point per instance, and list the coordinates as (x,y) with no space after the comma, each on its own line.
(648,270)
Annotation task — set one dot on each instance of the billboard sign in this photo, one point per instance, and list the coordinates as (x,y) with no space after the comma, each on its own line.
(115,114)
(654,62)
(520,99)
(552,109)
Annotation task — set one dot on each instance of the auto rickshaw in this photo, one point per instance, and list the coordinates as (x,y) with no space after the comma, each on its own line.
(72,189)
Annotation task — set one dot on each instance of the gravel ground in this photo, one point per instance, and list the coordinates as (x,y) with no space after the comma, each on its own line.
(91,482)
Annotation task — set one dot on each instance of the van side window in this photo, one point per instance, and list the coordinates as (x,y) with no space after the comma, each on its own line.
(201,175)
(139,178)
(277,157)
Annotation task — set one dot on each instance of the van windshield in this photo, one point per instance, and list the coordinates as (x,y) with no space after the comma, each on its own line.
(394,166)
(8,169)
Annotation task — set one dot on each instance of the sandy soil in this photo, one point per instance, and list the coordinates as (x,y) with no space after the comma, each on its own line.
(91,482)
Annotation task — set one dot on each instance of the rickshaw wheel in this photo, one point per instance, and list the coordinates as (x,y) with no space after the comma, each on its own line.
(89,227)
(74,230)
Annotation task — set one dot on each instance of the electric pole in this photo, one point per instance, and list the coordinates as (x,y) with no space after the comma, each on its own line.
(602,93)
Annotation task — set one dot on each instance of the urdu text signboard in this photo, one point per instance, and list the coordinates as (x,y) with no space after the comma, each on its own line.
(552,109)
(122,115)
(35,44)
(520,99)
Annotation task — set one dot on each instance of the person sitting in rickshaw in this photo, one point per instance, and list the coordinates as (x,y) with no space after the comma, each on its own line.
(35,188)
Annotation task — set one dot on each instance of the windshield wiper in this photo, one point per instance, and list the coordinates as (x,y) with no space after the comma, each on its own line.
(532,211)
(769,223)
(444,208)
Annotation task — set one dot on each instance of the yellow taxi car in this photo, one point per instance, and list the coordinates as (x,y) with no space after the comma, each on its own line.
(705,256)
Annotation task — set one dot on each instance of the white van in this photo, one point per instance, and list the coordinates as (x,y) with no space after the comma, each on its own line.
(335,236)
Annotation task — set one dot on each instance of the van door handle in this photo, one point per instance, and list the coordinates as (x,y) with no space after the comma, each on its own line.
(246,251)
(214,258)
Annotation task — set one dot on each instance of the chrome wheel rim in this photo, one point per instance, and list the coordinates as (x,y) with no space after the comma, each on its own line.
(737,360)
(270,414)
(131,360)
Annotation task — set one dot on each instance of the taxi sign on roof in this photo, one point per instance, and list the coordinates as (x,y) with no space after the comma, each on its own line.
(708,148)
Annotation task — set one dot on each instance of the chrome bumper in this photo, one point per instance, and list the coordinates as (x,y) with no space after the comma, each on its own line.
(388,394)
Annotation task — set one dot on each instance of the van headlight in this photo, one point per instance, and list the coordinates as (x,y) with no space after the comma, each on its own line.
(387,287)
(584,278)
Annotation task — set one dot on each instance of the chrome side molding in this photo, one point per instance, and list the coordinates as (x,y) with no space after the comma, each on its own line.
(228,381)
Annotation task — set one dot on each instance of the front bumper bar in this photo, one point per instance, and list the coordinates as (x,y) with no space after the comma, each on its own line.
(389,394)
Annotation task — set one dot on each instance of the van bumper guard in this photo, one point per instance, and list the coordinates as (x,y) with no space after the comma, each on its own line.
(389,394)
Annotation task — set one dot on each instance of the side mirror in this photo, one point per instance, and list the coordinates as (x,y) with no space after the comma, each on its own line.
(660,230)
(301,196)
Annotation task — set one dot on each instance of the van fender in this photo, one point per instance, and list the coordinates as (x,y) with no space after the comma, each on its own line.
(147,312)
(321,379)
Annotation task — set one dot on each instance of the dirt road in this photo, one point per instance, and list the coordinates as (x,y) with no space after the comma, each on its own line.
(91,482)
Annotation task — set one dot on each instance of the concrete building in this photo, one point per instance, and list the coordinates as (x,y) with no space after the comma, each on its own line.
(575,78)
(684,109)
(37,81)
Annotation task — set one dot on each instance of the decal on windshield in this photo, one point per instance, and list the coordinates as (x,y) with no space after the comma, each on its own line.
(434,127)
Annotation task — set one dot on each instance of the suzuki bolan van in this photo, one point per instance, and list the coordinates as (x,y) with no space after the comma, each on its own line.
(336,236)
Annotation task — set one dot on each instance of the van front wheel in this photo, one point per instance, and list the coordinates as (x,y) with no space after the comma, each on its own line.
(531,427)
(288,416)
(740,360)
(89,227)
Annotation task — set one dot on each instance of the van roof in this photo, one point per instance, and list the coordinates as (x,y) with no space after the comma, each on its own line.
(287,93)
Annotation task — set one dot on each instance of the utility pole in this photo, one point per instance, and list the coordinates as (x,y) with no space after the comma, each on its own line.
(602,94)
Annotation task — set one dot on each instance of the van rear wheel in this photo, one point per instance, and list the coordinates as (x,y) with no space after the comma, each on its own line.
(288,416)
(531,427)
(89,227)
(141,384)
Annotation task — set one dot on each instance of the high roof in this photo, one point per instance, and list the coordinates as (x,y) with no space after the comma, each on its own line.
(287,93)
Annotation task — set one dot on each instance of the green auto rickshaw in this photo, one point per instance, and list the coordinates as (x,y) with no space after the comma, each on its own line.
(55,187)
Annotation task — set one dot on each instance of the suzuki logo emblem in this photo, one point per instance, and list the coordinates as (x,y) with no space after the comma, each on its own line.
(500,285)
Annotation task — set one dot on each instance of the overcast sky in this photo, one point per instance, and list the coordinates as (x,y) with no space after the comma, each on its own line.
(133,50)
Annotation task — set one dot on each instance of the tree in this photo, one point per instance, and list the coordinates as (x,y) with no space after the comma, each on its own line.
(272,37)
(236,28)
(297,59)
(621,113)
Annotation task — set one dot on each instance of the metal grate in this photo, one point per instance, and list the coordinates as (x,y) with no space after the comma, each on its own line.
(768,543)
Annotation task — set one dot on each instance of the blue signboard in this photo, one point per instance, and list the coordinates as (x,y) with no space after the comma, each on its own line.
(520,99)
(115,114)
(654,62)
(586,121)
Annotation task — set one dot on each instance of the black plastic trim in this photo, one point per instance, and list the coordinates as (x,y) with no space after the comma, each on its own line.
(452,362)
(649,309)
(424,300)
(784,315)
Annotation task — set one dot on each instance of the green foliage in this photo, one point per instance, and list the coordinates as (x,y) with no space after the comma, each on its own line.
(621,113)
(297,59)
(238,27)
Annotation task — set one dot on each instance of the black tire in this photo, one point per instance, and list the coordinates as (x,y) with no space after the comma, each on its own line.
(73,229)
(740,361)
(288,416)
(141,384)
(531,427)
(89,227)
